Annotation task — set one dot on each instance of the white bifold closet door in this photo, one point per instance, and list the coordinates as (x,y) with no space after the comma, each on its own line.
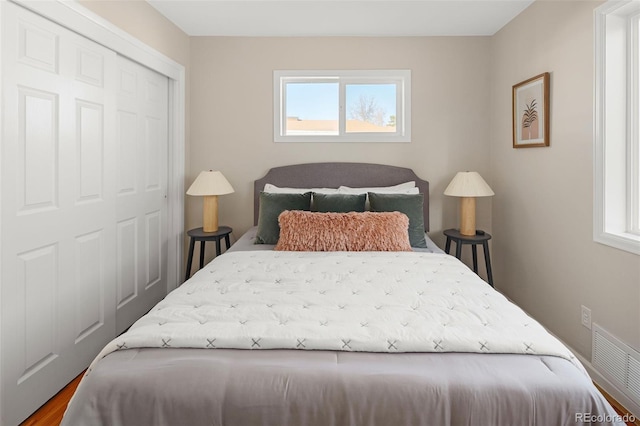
(141,187)
(83,204)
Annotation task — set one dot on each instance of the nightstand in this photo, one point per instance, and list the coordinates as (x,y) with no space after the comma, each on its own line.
(199,235)
(481,237)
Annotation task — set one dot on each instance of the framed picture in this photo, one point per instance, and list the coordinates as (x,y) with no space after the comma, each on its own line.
(531,112)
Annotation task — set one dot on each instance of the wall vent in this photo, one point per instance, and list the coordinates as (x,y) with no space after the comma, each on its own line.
(616,361)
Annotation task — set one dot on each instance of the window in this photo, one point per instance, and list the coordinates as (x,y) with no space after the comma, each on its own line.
(342,106)
(617,126)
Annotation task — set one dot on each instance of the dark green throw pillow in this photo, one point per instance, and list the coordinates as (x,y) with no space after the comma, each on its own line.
(271,205)
(338,203)
(409,204)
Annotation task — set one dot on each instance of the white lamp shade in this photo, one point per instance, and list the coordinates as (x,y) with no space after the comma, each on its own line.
(468,184)
(210,183)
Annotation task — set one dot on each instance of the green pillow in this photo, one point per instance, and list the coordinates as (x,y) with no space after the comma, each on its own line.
(409,204)
(338,203)
(271,205)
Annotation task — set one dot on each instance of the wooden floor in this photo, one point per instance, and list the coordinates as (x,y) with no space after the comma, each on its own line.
(617,406)
(50,414)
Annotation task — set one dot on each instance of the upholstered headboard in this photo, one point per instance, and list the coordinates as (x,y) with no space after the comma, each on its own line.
(333,175)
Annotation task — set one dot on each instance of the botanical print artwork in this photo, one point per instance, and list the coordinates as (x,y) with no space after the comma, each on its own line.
(529,105)
(530,120)
(530,112)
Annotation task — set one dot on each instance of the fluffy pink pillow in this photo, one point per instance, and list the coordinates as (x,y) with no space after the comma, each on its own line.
(368,231)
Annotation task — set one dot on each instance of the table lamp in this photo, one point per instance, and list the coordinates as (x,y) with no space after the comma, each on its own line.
(209,185)
(468,186)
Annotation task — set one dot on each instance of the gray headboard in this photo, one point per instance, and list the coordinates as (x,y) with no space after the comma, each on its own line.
(332,175)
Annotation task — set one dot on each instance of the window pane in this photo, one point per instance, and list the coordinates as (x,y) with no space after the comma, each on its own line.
(312,109)
(313,106)
(371,108)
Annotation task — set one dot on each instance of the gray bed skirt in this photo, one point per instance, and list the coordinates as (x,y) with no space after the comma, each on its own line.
(230,387)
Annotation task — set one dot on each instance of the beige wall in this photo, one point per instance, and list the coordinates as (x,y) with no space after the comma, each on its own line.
(232,113)
(145,23)
(543,250)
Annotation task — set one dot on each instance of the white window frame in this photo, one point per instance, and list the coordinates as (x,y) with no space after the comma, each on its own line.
(401,78)
(617,126)
(634,126)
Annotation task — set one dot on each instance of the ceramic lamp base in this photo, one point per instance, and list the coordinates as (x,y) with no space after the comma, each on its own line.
(468,216)
(210,213)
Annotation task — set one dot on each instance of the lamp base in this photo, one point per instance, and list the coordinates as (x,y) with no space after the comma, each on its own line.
(468,216)
(210,213)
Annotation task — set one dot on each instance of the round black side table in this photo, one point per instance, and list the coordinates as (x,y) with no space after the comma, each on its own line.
(198,234)
(481,237)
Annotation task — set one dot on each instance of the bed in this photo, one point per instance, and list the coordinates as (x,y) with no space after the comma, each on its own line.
(271,337)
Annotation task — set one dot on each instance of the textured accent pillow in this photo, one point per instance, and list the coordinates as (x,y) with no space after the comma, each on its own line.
(271,205)
(409,204)
(367,231)
(338,203)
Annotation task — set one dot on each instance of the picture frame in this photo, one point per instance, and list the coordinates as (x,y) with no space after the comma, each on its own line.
(530,112)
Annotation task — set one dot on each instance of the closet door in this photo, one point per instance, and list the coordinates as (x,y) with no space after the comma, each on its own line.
(58,216)
(141,143)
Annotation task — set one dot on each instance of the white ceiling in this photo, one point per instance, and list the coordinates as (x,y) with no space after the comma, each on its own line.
(340,17)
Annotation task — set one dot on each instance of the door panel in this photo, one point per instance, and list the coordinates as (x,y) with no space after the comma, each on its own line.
(37,175)
(127,153)
(58,210)
(154,249)
(127,257)
(38,279)
(37,46)
(90,146)
(142,184)
(89,291)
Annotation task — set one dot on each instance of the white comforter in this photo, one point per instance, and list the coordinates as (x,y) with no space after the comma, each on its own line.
(375,302)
